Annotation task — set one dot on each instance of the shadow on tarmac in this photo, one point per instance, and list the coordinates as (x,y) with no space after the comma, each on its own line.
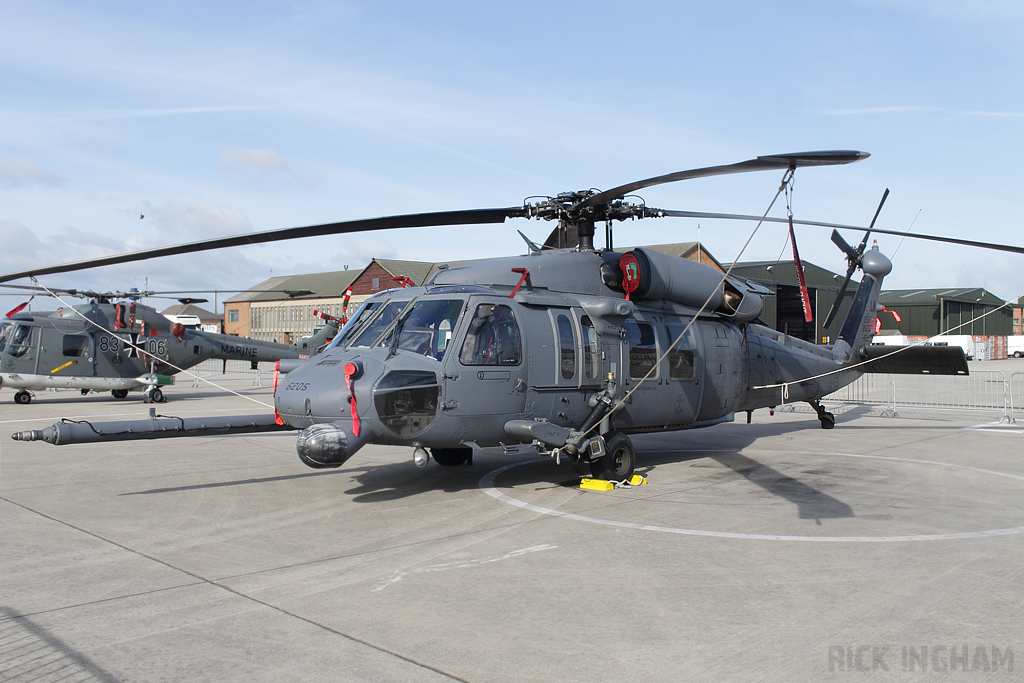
(398,480)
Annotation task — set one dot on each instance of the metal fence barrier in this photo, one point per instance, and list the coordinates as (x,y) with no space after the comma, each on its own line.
(1016,390)
(216,370)
(987,390)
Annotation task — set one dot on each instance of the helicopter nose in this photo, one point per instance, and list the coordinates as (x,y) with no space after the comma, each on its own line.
(328,445)
(331,390)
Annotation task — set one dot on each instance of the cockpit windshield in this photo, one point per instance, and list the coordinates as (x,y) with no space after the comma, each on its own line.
(370,331)
(16,339)
(358,319)
(426,327)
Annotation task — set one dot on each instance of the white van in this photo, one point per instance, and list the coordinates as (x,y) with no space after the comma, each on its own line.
(1015,346)
(964,341)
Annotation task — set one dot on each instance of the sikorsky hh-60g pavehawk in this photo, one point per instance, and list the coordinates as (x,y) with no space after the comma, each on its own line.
(566,350)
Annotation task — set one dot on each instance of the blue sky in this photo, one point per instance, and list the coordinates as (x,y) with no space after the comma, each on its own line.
(221,118)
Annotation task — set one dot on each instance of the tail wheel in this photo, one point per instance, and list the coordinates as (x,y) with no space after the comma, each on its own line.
(451,457)
(618,461)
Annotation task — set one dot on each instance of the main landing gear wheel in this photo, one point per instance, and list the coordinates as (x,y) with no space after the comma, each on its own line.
(618,461)
(154,396)
(119,393)
(452,457)
(23,398)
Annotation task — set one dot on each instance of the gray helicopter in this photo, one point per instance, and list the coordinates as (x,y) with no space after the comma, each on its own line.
(113,343)
(567,350)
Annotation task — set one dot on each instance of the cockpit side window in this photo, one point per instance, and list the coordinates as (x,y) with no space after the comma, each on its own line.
(493,337)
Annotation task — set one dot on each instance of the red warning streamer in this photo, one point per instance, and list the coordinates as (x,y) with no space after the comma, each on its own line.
(350,370)
(18,309)
(277,371)
(805,297)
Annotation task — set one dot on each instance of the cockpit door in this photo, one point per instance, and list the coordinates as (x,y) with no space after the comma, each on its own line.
(485,368)
(20,347)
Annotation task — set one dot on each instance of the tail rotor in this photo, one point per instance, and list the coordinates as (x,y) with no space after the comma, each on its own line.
(854,257)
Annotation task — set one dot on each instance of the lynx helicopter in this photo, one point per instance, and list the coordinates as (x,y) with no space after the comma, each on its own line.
(566,350)
(113,343)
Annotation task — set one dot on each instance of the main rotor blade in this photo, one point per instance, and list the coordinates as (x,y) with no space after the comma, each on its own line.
(763,163)
(416,220)
(935,238)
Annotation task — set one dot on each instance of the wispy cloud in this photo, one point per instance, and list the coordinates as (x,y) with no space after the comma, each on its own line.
(265,162)
(153,112)
(905,109)
(18,172)
(194,219)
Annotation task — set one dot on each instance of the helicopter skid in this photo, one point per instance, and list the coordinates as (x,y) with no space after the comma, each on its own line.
(17,380)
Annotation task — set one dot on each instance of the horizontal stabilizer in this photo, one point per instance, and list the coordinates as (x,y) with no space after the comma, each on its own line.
(915,360)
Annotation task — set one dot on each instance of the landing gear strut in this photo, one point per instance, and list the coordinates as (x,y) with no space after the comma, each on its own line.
(828,420)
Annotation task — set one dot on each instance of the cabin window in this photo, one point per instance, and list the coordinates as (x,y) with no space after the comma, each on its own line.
(425,329)
(682,359)
(643,349)
(566,347)
(5,331)
(76,346)
(493,337)
(591,360)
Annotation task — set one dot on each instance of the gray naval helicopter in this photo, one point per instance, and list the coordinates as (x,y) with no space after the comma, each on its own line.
(566,351)
(113,343)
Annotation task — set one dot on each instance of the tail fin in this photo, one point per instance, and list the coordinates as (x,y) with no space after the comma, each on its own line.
(859,325)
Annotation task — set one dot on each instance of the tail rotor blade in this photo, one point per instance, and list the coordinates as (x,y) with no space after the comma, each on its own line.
(854,256)
(837,302)
(864,242)
(838,240)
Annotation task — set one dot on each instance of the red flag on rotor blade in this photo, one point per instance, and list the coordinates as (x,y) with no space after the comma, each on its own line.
(805,297)
(18,309)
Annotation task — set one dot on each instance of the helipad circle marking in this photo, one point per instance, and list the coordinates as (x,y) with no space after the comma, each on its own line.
(487,485)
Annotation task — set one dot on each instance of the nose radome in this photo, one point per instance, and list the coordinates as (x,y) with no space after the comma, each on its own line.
(328,445)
